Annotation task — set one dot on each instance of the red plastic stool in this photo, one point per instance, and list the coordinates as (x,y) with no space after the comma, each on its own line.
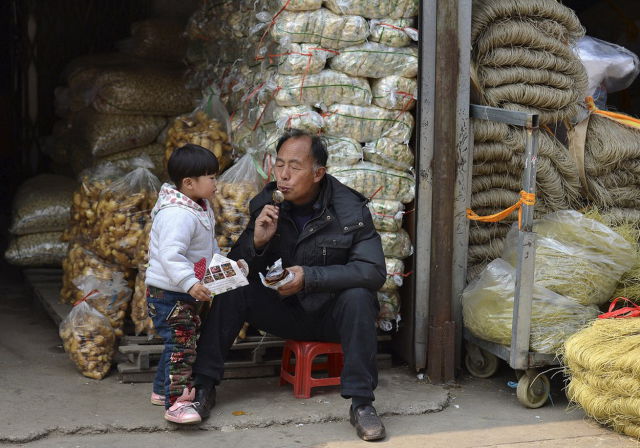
(300,374)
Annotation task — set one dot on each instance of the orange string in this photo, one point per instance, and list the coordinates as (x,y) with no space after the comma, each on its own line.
(525,199)
(620,118)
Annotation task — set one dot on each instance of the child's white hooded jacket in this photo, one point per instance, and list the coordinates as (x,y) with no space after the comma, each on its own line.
(182,241)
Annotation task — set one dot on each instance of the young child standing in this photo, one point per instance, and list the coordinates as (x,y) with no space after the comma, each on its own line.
(181,246)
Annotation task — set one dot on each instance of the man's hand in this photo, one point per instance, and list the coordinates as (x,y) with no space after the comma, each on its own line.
(266,225)
(294,286)
(200,293)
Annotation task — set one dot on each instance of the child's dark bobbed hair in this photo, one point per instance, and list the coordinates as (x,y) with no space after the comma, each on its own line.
(191,161)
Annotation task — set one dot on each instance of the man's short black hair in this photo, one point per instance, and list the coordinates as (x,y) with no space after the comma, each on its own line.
(191,161)
(318,148)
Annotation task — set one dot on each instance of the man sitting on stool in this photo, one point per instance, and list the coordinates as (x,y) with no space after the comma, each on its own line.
(324,234)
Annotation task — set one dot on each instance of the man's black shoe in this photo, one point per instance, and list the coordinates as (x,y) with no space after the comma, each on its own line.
(367,423)
(205,400)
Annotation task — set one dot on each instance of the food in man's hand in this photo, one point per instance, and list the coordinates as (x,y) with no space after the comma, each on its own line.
(274,277)
(277,197)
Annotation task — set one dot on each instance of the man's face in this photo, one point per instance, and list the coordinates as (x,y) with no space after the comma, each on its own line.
(295,173)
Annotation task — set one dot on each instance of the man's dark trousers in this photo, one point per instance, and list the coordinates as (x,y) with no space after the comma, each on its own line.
(349,318)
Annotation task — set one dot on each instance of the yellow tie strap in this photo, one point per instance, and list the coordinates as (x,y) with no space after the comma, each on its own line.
(617,117)
(525,199)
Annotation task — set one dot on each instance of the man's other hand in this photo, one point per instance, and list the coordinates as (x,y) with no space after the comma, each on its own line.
(294,286)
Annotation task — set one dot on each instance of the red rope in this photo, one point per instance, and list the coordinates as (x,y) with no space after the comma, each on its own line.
(405,275)
(86,297)
(275,92)
(627,311)
(273,22)
(376,192)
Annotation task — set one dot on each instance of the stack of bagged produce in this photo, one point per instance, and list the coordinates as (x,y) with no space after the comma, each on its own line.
(41,211)
(236,187)
(578,264)
(346,70)
(108,238)
(115,106)
(88,333)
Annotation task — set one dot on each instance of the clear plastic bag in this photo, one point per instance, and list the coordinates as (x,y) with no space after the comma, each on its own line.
(297,117)
(376,8)
(37,250)
(608,64)
(386,152)
(389,310)
(106,134)
(396,244)
(342,151)
(395,275)
(142,91)
(392,32)
(320,27)
(126,159)
(139,310)
(89,340)
(369,179)
(123,211)
(83,217)
(42,204)
(387,214)
(236,187)
(110,297)
(367,123)
(327,87)
(487,308)
(300,59)
(395,92)
(81,262)
(576,256)
(373,60)
(208,126)
(157,38)
(299,5)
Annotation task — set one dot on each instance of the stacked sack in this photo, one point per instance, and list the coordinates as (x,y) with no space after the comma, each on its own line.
(522,60)
(41,211)
(87,333)
(236,187)
(115,106)
(347,70)
(207,126)
(108,240)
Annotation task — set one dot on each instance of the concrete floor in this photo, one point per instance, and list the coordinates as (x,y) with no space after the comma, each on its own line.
(48,404)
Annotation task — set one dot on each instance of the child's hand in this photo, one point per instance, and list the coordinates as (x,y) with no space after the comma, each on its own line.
(200,293)
(244,267)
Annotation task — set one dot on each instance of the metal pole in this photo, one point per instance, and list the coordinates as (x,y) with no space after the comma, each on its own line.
(424,158)
(464,151)
(441,343)
(525,268)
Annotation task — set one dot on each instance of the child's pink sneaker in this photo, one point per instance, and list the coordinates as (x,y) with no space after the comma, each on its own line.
(182,411)
(157,399)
